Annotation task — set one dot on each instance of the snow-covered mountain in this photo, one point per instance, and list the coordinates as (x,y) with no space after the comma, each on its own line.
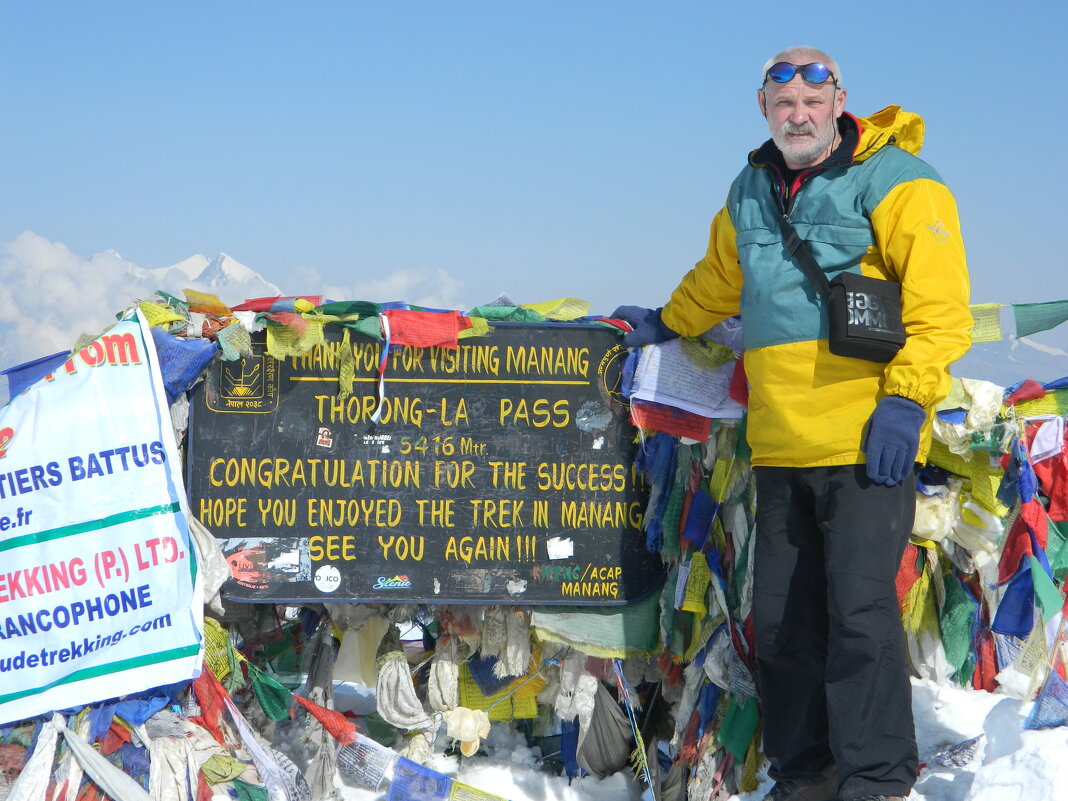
(223,275)
(49,296)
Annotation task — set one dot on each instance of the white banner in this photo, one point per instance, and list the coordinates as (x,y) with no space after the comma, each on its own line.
(99,593)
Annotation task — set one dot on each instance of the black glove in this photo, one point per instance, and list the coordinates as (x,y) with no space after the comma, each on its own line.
(647,325)
(893,438)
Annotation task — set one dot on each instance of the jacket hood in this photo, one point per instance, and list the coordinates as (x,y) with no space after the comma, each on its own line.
(892,126)
(862,138)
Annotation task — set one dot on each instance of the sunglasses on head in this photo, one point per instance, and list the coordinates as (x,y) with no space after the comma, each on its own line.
(816,73)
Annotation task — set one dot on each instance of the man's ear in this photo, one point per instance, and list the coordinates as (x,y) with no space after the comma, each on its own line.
(762,102)
(839,100)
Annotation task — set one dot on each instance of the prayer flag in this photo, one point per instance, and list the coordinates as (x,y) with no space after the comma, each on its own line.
(986,322)
(1034,317)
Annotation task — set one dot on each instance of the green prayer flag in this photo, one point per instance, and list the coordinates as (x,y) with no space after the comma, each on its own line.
(1057,549)
(1047,596)
(1034,317)
(742,450)
(371,326)
(380,731)
(344,307)
(629,628)
(222,768)
(250,792)
(179,305)
(739,725)
(672,515)
(513,314)
(273,697)
(957,620)
(235,677)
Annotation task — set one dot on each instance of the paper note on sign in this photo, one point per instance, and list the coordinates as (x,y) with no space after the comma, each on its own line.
(560,547)
(665,375)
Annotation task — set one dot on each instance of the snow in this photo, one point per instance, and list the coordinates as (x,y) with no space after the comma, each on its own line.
(1007,763)
(224,271)
(511,770)
(191,268)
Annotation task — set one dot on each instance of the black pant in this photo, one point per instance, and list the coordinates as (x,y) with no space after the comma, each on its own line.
(832,668)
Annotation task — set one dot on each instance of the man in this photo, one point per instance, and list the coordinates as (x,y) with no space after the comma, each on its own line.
(835,440)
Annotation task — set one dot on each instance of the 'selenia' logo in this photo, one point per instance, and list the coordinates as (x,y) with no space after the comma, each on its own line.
(395,583)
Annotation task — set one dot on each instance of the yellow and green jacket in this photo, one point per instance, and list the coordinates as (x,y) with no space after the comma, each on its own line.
(873,207)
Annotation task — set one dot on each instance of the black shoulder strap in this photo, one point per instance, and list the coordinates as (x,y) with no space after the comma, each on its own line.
(798,250)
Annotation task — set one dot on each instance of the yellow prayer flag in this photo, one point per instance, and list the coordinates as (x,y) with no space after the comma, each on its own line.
(720,480)
(520,704)
(459,791)
(284,341)
(1033,652)
(1054,402)
(985,476)
(560,309)
(703,629)
(986,319)
(216,646)
(158,315)
(1032,659)
(697,586)
(346,371)
(206,303)
(753,759)
(918,608)
(479,328)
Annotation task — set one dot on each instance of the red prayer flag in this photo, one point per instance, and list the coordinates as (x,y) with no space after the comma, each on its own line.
(739,388)
(425,329)
(266,304)
(340,728)
(210,694)
(291,320)
(669,419)
(1017,544)
(908,573)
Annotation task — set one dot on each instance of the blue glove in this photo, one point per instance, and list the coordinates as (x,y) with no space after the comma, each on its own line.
(892,439)
(647,325)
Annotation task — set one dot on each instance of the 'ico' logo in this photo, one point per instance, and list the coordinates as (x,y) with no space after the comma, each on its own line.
(395,583)
(327,578)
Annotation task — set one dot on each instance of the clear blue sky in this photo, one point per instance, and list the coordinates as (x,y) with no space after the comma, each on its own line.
(538,148)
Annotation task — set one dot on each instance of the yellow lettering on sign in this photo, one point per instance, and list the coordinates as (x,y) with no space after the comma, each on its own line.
(470,549)
(539,413)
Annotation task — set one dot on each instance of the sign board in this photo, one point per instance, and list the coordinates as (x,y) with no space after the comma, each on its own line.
(99,592)
(499,471)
